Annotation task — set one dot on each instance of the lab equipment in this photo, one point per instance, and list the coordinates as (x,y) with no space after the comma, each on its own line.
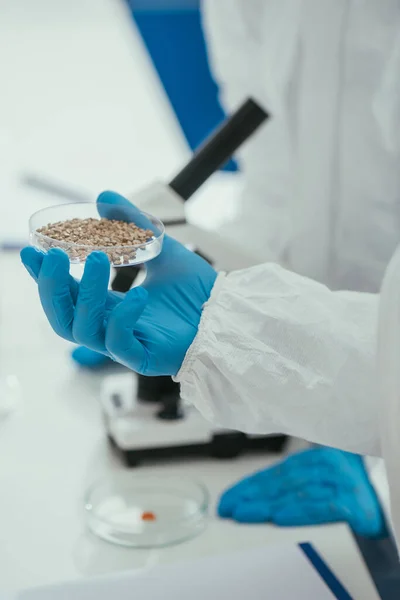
(144,430)
(169,200)
(208,158)
(146,511)
(320,485)
(134,435)
(120,254)
(192,433)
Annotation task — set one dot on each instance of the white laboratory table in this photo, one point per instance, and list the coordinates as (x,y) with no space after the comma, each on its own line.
(54,446)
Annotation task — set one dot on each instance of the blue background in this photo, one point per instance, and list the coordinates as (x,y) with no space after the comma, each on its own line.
(172,32)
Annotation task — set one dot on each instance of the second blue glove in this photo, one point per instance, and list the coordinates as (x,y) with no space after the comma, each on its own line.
(317,486)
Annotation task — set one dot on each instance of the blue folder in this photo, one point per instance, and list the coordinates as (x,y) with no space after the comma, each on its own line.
(172,32)
(325,572)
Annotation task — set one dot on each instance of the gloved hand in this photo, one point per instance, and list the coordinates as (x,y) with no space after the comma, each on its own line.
(150,328)
(317,486)
(89,359)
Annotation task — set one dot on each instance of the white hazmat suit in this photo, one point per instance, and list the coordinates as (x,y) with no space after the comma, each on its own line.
(322,177)
(277,352)
(321,196)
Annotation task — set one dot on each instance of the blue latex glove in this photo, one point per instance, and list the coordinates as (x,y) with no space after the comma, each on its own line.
(90,359)
(317,486)
(150,328)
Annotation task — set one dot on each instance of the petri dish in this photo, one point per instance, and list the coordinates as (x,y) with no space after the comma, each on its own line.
(142,511)
(123,255)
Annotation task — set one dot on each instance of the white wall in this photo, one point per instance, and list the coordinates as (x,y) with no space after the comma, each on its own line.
(79,103)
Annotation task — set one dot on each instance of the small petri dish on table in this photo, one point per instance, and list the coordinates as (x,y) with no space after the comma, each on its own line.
(142,511)
(127,237)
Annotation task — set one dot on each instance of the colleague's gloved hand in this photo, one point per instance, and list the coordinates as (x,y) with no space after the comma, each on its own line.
(317,486)
(150,328)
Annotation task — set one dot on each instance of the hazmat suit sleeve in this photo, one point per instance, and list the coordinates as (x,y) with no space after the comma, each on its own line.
(279,353)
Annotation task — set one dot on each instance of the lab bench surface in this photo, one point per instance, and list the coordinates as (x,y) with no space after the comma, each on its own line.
(54,446)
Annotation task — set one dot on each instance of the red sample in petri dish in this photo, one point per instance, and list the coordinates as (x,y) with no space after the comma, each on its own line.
(148,516)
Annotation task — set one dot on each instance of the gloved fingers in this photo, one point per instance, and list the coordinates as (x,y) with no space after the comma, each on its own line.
(311,505)
(296,512)
(114,206)
(327,503)
(89,320)
(322,491)
(89,358)
(120,341)
(271,482)
(112,299)
(111,302)
(262,482)
(260,511)
(231,498)
(32,259)
(324,465)
(278,482)
(268,485)
(54,284)
(304,476)
(314,466)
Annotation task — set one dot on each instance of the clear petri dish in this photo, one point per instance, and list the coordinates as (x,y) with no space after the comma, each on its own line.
(143,511)
(119,255)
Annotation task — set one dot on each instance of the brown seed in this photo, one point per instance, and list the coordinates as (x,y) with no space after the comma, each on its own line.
(98,234)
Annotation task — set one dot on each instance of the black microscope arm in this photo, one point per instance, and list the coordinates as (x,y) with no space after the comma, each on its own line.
(215,151)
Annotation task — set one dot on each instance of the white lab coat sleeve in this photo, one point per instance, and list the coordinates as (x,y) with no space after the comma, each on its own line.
(279,353)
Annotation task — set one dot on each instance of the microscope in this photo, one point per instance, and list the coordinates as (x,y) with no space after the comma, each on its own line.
(147,419)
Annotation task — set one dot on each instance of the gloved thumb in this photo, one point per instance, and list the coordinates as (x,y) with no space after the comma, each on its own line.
(114,206)
(120,340)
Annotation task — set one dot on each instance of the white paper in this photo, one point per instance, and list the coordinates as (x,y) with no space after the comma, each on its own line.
(281,572)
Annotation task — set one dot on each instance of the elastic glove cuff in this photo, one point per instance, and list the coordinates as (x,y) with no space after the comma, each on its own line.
(183,375)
